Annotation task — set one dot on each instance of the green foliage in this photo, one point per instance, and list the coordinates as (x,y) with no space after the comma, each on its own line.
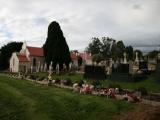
(6,52)
(96,83)
(120,49)
(129,51)
(97,58)
(153,54)
(108,47)
(56,48)
(68,81)
(95,46)
(143,90)
(80,83)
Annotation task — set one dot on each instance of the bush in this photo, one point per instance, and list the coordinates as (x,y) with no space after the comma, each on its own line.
(142,90)
(80,83)
(57,80)
(41,78)
(115,86)
(34,77)
(139,77)
(96,83)
(68,81)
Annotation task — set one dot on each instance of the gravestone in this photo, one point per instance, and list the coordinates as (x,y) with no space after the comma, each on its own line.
(120,72)
(136,59)
(143,65)
(158,73)
(125,58)
(94,72)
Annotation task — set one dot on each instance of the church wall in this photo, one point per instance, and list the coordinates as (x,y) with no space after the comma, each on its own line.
(14,63)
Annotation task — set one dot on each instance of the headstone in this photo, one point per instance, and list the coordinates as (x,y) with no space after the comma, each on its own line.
(70,66)
(125,58)
(50,68)
(130,67)
(45,67)
(158,58)
(143,65)
(57,69)
(94,72)
(121,72)
(158,73)
(137,59)
(41,67)
(31,69)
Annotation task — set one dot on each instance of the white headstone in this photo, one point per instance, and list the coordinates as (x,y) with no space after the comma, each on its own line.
(125,58)
(137,59)
(70,66)
(50,68)
(31,69)
(45,67)
(57,68)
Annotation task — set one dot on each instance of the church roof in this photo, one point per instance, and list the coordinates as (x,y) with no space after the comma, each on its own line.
(22,58)
(85,56)
(35,51)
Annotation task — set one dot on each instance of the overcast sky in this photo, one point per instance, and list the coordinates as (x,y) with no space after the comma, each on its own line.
(136,22)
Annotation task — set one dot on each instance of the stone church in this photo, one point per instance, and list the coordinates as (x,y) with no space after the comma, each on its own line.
(29,58)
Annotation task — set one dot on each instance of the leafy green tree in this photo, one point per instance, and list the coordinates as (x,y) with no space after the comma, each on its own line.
(97,58)
(129,51)
(106,47)
(55,47)
(95,46)
(6,52)
(120,49)
(153,54)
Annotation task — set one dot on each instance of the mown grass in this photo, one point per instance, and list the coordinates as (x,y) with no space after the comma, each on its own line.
(23,100)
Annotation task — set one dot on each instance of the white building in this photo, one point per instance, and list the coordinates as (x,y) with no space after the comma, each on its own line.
(28,58)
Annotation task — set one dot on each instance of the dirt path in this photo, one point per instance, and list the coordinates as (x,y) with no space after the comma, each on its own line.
(141,112)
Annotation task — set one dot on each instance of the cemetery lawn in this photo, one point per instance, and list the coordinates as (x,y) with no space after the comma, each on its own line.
(24,100)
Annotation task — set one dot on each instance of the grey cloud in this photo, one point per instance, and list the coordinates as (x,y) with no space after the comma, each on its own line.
(133,21)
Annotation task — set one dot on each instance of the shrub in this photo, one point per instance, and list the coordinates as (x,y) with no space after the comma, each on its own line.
(96,83)
(68,81)
(57,80)
(139,77)
(115,86)
(143,91)
(80,83)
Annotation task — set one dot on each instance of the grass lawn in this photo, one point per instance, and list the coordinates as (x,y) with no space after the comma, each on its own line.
(24,100)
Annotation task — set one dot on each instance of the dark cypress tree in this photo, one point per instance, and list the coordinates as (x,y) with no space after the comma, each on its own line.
(55,47)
